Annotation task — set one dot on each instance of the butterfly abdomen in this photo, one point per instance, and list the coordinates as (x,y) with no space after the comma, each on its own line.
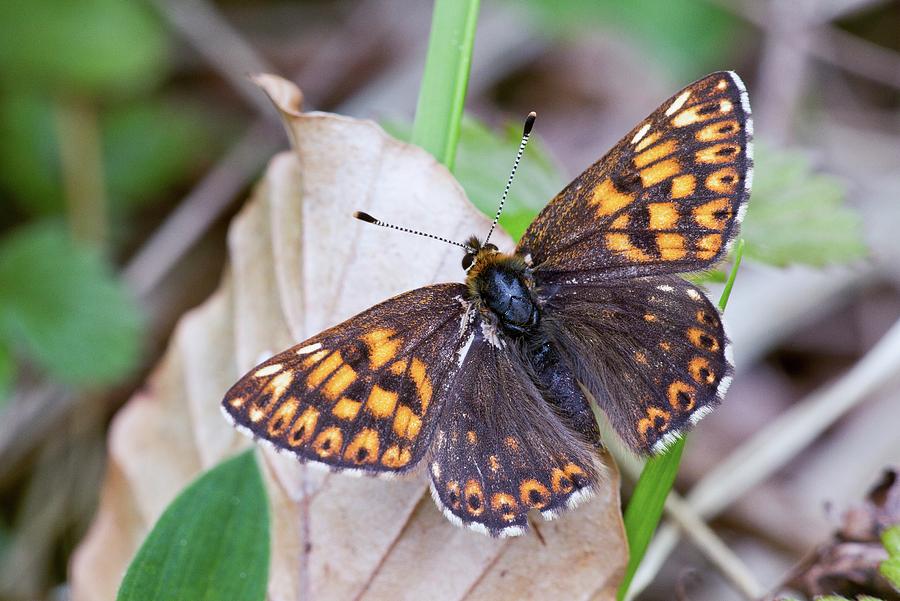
(502,285)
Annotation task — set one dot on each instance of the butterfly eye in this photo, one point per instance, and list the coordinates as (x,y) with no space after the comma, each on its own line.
(467,260)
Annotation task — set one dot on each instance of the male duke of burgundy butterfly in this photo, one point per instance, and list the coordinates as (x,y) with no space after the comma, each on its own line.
(484,381)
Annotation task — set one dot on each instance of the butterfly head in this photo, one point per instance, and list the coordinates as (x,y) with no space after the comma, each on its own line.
(476,251)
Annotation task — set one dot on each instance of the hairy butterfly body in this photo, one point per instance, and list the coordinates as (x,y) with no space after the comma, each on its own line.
(488,381)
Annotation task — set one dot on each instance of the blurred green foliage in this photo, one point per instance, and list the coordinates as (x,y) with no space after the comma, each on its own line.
(84,47)
(690,37)
(62,307)
(211,543)
(797,215)
(890,568)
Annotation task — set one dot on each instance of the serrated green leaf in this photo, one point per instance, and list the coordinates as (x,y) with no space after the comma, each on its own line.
(797,215)
(483,161)
(690,37)
(210,544)
(83,46)
(61,305)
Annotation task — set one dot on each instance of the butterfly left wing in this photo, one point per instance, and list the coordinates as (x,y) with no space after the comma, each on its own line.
(652,351)
(501,449)
(364,395)
(668,198)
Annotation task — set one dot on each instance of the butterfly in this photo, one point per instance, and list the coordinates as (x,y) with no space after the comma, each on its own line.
(488,382)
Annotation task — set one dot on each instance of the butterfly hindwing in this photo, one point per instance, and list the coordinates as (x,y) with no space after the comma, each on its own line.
(668,198)
(501,450)
(661,363)
(365,394)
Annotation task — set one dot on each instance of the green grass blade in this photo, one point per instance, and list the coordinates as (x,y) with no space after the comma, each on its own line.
(211,543)
(649,497)
(446,78)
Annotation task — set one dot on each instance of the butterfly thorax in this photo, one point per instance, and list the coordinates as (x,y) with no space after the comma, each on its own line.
(502,288)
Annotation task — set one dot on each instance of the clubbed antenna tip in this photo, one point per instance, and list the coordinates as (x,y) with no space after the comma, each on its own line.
(364,217)
(529,123)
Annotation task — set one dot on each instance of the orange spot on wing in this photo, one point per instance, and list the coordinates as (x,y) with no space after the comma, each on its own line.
(703,340)
(608,200)
(647,141)
(505,505)
(654,153)
(659,171)
(718,153)
(396,457)
(282,417)
(656,420)
(714,214)
(663,215)
(453,494)
(718,131)
(494,463)
(324,369)
(423,384)
(671,246)
(620,222)
(346,408)
(382,347)
(474,497)
(511,443)
(621,244)
(381,402)
(723,181)
(304,427)
(471,437)
(398,367)
(683,186)
(534,494)
(560,482)
(708,246)
(329,441)
(681,396)
(640,358)
(338,383)
(406,423)
(363,448)
(701,371)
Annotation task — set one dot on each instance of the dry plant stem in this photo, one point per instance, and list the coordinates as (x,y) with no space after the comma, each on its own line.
(772,448)
(82,171)
(831,45)
(220,45)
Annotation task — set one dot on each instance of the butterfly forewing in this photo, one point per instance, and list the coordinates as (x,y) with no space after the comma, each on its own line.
(651,350)
(500,450)
(668,198)
(364,394)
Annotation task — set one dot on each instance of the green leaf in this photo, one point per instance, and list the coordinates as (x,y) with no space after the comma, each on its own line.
(690,37)
(648,500)
(151,145)
(483,161)
(210,544)
(61,305)
(799,216)
(890,569)
(148,145)
(7,373)
(81,46)
(445,80)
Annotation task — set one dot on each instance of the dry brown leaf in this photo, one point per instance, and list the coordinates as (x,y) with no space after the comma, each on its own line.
(300,263)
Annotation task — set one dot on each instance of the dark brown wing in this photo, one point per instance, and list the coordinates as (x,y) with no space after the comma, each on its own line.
(502,450)
(651,350)
(365,394)
(668,198)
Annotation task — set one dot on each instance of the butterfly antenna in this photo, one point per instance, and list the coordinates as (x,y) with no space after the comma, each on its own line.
(526,133)
(369,219)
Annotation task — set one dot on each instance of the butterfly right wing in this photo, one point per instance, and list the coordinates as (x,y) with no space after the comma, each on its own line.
(668,198)
(501,449)
(364,395)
